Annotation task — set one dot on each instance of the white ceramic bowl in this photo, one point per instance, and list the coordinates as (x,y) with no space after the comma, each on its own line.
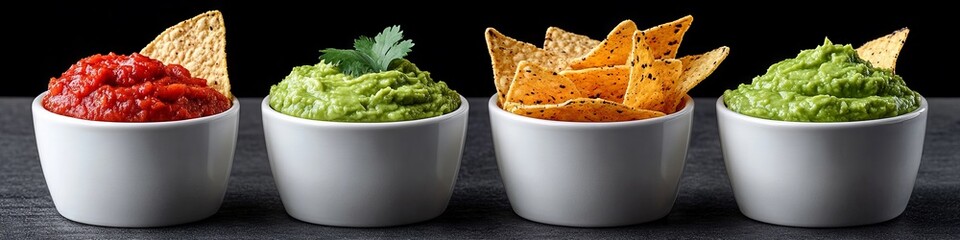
(591,174)
(822,174)
(365,174)
(122,174)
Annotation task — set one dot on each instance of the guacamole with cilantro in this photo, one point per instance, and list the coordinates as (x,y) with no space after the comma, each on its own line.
(370,83)
(323,92)
(830,83)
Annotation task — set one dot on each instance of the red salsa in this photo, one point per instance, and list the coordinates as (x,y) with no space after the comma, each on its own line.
(135,88)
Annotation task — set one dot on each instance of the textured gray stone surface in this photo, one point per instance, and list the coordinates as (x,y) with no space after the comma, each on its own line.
(479,208)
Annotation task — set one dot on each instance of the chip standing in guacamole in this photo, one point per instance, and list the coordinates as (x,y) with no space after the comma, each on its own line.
(830,83)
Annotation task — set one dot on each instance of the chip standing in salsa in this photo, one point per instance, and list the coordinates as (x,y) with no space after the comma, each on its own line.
(134,88)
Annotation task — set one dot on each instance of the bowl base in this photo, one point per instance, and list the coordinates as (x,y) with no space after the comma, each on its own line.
(130,224)
(799,224)
(592,225)
(366,224)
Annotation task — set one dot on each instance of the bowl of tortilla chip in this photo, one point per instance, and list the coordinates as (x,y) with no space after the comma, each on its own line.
(592,133)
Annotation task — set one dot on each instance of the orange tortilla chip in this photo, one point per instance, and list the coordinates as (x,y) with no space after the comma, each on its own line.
(630,75)
(655,86)
(199,45)
(664,40)
(698,67)
(534,84)
(506,52)
(883,52)
(584,110)
(614,50)
(566,44)
(641,53)
(604,82)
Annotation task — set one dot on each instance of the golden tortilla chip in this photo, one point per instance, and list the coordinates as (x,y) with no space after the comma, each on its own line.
(604,82)
(698,67)
(506,52)
(630,75)
(584,110)
(566,44)
(654,86)
(664,40)
(534,84)
(614,50)
(199,45)
(641,53)
(883,52)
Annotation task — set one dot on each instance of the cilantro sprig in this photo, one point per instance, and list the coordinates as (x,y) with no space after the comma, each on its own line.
(370,55)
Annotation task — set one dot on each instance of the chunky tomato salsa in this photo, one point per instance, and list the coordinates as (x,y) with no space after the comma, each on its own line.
(134,88)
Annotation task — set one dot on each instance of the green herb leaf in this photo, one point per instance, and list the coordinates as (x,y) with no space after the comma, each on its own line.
(349,61)
(370,55)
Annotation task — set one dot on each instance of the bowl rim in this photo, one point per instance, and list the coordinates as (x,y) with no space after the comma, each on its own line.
(722,110)
(40,111)
(267,111)
(496,110)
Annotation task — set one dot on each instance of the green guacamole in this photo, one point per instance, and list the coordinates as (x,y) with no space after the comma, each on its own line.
(322,92)
(827,84)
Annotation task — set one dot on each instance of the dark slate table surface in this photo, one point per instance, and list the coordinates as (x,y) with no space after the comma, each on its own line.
(479,207)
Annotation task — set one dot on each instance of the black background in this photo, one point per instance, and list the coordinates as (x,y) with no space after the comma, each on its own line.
(265,39)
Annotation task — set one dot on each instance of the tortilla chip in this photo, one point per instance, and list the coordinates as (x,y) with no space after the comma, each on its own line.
(682,103)
(655,86)
(664,40)
(506,52)
(629,75)
(566,44)
(698,67)
(641,53)
(534,84)
(883,52)
(614,50)
(604,82)
(199,45)
(584,110)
